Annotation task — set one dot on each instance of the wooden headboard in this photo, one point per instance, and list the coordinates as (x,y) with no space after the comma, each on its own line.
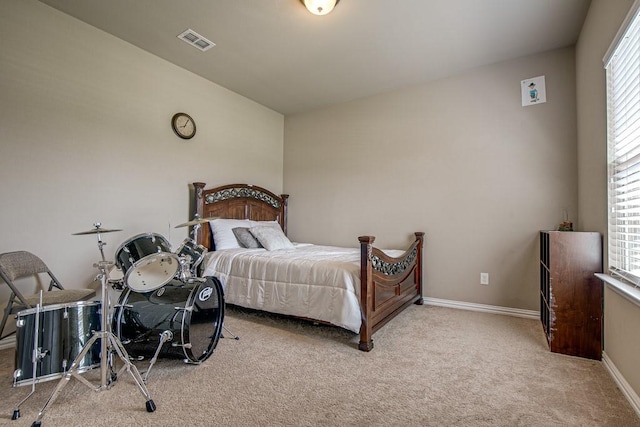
(237,201)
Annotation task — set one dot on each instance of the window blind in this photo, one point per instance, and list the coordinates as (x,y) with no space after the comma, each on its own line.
(623,152)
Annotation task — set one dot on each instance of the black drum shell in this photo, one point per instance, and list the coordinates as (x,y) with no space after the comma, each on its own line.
(139,247)
(192,312)
(63,330)
(196,253)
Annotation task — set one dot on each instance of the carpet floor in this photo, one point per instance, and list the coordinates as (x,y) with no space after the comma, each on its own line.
(431,366)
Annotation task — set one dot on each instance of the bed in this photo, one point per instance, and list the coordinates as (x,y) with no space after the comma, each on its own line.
(359,289)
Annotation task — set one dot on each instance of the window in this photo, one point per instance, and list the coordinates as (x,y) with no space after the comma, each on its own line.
(622,65)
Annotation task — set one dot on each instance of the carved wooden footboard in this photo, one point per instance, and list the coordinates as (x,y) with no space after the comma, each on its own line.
(388,285)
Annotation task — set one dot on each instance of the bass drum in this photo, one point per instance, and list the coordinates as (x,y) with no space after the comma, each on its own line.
(191,314)
(62,331)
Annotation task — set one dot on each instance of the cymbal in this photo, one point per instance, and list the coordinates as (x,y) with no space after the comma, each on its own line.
(96,231)
(196,221)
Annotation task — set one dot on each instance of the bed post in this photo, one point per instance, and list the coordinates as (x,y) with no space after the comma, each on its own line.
(366,292)
(283,212)
(199,206)
(418,273)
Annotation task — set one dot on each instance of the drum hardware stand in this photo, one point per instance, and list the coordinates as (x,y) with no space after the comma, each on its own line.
(109,343)
(36,355)
(164,337)
(167,335)
(235,337)
(196,227)
(197,223)
(184,271)
(202,279)
(185,276)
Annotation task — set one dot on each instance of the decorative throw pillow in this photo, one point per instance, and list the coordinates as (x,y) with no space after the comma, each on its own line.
(245,238)
(274,224)
(271,238)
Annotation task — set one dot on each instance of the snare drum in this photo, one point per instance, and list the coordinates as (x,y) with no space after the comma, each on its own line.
(63,330)
(195,252)
(147,262)
(190,313)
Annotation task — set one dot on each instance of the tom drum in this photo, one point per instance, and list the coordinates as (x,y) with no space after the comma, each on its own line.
(194,253)
(147,262)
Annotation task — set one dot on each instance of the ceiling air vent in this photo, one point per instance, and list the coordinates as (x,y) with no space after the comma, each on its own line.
(196,40)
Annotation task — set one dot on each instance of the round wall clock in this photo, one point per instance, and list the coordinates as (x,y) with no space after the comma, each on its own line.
(183,125)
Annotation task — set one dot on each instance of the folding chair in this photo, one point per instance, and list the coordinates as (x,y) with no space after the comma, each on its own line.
(15,265)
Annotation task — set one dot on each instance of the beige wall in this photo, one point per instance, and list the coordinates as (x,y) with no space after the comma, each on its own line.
(621,318)
(85,136)
(459,159)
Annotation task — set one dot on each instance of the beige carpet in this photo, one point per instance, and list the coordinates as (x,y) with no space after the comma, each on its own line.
(431,366)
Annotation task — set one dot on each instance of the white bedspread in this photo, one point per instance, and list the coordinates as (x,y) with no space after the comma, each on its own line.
(317,282)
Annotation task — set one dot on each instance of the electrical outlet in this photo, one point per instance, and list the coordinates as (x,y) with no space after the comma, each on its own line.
(484,278)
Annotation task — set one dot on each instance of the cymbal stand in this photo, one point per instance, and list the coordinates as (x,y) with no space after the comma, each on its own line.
(101,244)
(109,343)
(196,228)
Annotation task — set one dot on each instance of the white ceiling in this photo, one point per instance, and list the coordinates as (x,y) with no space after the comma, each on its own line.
(280,55)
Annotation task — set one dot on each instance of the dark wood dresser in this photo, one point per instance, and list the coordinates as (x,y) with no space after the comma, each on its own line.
(571,297)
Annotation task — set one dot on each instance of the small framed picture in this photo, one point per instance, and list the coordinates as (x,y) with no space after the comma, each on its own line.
(533,91)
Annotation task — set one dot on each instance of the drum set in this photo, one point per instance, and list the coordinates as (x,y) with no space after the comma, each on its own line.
(164,309)
(164,300)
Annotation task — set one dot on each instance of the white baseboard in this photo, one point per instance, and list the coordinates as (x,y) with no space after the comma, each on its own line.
(627,390)
(8,342)
(494,309)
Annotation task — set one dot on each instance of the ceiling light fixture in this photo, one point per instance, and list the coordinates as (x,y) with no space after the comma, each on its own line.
(320,7)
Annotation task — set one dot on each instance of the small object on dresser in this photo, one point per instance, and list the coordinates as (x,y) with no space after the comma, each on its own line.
(565,226)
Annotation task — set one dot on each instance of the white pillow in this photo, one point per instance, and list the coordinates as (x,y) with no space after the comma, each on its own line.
(271,238)
(222,230)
